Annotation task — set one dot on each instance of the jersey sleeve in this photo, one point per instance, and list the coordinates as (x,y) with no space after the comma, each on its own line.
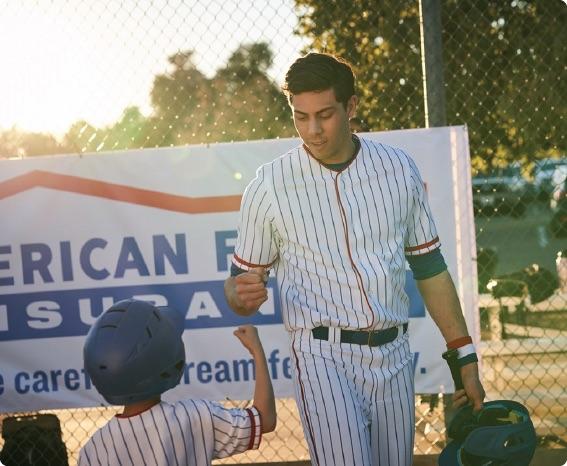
(421,235)
(235,430)
(255,244)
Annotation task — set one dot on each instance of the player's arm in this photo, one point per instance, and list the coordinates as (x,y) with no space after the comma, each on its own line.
(246,291)
(264,399)
(245,288)
(422,248)
(441,299)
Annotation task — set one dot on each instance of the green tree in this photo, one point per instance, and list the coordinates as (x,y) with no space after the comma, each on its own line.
(503,67)
(240,102)
(16,143)
(9,144)
(83,137)
(129,132)
(381,40)
(248,103)
(182,102)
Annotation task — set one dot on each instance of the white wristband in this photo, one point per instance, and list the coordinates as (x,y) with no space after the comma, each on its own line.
(465,350)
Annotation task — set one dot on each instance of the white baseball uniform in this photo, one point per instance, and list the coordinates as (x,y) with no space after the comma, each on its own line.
(189,432)
(337,241)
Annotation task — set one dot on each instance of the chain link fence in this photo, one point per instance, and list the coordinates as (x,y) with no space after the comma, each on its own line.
(172,73)
(503,77)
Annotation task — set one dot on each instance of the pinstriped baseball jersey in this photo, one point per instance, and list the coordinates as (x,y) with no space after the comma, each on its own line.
(337,240)
(189,432)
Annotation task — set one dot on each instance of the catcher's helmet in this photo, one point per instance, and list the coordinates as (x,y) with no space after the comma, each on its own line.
(501,433)
(134,351)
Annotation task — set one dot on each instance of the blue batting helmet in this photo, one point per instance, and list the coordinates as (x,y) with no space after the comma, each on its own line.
(501,433)
(134,351)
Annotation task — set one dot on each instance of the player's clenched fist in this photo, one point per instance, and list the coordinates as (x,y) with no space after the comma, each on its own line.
(248,336)
(251,289)
(246,292)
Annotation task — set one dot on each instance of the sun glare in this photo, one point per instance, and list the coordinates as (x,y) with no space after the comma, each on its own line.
(37,90)
(67,61)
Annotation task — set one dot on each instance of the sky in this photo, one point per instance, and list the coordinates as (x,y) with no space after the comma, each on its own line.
(69,60)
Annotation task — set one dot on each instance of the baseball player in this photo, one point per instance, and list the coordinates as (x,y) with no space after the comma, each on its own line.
(336,219)
(133,353)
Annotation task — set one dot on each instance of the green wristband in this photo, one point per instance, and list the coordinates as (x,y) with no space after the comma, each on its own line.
(468,359)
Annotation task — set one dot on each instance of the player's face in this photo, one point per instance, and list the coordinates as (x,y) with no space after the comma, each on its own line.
(323,124)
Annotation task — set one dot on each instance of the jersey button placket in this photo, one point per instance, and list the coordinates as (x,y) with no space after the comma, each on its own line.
(354,267)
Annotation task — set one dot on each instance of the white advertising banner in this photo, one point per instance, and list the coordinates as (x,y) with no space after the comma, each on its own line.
(78,233)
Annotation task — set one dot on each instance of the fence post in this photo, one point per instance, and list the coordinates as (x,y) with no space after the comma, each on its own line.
(432,63)
(433,95)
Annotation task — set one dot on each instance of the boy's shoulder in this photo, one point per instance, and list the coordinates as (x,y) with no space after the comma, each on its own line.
(189,405)
(201,408)
(193,409)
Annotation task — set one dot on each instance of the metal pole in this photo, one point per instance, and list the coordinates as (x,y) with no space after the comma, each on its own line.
(432,63)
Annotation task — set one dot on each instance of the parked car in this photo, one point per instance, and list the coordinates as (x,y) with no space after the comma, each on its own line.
(543,176)
(502,191)
(558,222)
(557,182)
(558,204)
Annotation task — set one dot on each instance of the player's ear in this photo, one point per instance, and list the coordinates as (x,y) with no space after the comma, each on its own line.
(352,103)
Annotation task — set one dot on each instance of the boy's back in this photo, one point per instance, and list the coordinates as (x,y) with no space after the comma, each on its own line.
(188,432)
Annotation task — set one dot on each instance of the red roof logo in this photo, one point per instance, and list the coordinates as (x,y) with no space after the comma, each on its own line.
(118,192)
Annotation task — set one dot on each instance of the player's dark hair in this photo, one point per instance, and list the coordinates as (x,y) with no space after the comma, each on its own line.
(316,72)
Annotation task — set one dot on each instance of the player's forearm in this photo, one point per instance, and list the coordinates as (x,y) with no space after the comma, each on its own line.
(442,302)
(264,399)
(232,299)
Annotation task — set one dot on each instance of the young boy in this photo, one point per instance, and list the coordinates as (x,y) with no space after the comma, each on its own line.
(133,353)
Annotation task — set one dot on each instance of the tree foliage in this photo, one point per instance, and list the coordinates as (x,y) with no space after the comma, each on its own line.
(381,40)
(240,102)
(505,63)
(126,133)
(16,143)
(503,67)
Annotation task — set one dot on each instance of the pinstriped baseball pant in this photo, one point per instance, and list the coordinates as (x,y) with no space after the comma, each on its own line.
(356,403)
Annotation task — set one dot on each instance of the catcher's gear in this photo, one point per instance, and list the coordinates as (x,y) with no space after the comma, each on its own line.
(134,351)
(501,433)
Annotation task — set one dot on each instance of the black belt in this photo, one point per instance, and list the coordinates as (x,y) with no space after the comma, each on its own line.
(362,337)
